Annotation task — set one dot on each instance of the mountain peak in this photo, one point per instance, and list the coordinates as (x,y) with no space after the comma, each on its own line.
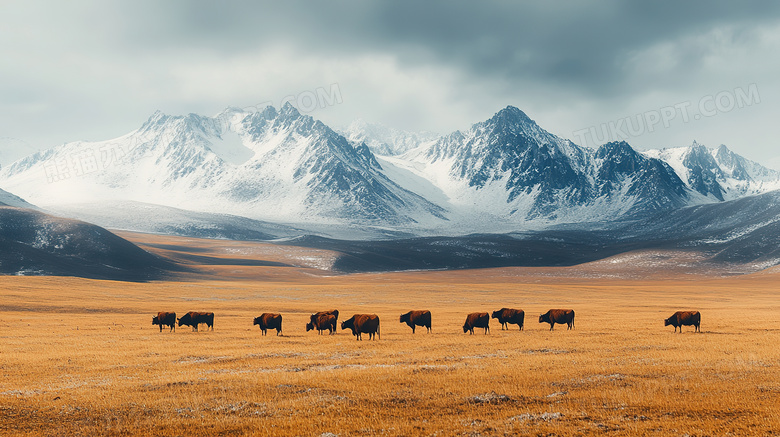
(615,148)
(156,118)
(288,110)
(513,115)
(696,146)
(512,110)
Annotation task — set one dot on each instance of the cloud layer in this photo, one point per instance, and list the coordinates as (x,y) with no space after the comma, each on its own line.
(95,70)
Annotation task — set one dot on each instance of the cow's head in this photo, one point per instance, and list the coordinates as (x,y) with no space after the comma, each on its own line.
(668,321)
(348,324)
(465,328)
(309,326)
(405,317)
(155,321)
(495,314)
(256,321)
(544,318)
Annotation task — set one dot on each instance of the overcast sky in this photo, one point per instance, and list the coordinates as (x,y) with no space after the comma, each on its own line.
(657,74)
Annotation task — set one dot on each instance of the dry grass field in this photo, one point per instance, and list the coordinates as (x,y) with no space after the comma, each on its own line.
(81,357)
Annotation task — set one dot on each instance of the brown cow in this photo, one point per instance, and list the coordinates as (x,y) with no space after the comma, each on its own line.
(506,316)
(195,318)
(314,316)
(268,321)
(417,318)
(687,318)
(165,318)
(363,323)
(558,316)
(477,320)
(321,322)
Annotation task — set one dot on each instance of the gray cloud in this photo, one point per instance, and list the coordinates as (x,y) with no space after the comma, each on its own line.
(580,45)
(97,69)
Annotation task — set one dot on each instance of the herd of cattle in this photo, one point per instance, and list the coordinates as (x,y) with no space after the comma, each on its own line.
(369,323)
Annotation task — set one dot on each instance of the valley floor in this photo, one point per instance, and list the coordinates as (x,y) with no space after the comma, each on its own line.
(81,357)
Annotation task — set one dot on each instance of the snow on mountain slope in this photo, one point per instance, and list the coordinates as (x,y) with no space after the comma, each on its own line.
(8,199)
(501,175)
(383,140)
(161,162)
(718,174)
(157,219)
(272,165)
(509,169)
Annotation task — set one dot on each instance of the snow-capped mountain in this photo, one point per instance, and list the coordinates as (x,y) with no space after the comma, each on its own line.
(514,170)
(383,140)
(281,167)
(719,174)
(275,165)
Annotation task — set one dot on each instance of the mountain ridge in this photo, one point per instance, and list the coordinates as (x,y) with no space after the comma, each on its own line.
(35,243)
(278,165)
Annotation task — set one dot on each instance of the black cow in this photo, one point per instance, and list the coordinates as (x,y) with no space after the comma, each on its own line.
(195,318)
(687,318)
(506,316)
(477,320)
(321,322)
(165,319)
(558,316)
(417,318)
(269,321)
(315,316)
(363,324)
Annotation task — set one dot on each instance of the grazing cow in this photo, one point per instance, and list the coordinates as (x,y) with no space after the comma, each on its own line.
(476,320)
(558,316)
(314,316)
(195,318)
(506,316)
(321,322)
(417,318)
(363,323)
(687,318)
(165,318)
(269,321)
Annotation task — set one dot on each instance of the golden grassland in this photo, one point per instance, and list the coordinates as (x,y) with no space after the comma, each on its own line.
(81,357)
